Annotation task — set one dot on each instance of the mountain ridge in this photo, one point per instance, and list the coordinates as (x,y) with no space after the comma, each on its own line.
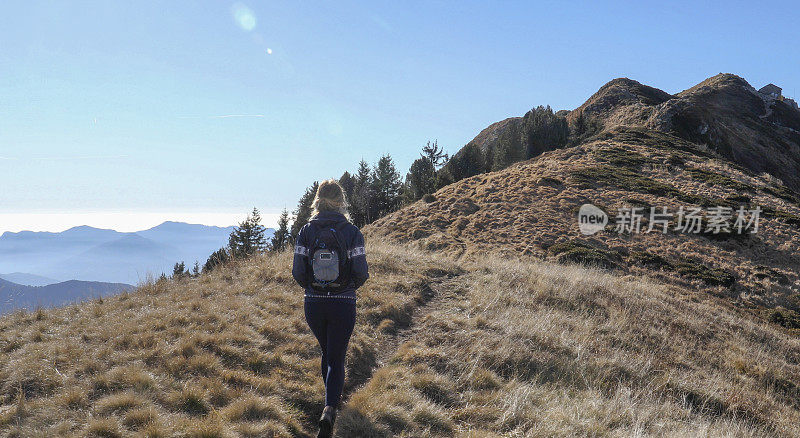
(87,253)
(721,112)
(15,296)
(27,279)
(89,228)
(638,158)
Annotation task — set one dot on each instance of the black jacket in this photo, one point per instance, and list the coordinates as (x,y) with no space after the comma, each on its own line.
(353,239)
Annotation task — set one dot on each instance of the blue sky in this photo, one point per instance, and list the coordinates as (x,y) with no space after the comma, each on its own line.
(141,111)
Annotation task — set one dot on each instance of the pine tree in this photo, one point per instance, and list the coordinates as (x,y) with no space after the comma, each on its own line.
(386,185)
(544,131)
(219,257)
(281,236)
(249,237)
(584,127)
(434,154)
(421,179)
(468,162)
(179,270)
(508,151)
(361,198)
(196,269)
(444,177)
(348,184)
(304,209)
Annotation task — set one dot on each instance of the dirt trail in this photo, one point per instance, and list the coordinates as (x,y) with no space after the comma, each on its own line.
(435,294)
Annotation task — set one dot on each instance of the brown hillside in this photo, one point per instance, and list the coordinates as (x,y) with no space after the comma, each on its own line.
(531,208)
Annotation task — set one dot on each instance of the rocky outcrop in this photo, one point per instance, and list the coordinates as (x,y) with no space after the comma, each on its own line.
(754,130)
(622,101)
(742,125)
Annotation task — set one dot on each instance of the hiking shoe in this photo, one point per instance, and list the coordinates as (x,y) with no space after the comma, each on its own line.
(326,422)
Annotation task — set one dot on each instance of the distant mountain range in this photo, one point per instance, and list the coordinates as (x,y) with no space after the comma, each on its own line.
(27,279)
(93,254)
(16,296)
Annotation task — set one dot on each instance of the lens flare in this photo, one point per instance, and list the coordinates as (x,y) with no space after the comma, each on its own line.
(243,16)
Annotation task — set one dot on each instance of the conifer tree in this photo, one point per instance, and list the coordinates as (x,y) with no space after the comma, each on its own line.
(249,237)
(444,177)
(543,130)
(304,209)
(217,258)
(508,151)
(434,154)
(421,178)
(361,198)
(281,236)
(348,184)
(467,162)
(179,270)
(386,186)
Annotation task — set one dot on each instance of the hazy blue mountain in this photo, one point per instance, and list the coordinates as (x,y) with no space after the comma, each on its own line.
(179,232)
(193,242)
(93,254)
(129,259)
(16,296)
(26,279)
(27,250)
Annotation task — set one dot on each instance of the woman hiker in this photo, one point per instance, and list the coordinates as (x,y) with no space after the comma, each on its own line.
(330,263)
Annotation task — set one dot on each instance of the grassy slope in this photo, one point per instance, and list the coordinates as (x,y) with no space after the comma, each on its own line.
(531,208)
(228,353)
(490,348)
(520,348)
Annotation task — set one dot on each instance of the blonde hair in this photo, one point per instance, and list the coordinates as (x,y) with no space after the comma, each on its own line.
(330,197)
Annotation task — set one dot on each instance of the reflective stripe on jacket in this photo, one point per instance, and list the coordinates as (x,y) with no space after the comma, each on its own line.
(356,252)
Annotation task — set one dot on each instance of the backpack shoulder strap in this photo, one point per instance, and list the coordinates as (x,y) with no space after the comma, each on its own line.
(313,232)
(340,240)
(340,227)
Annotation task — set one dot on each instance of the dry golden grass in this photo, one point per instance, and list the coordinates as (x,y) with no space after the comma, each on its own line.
(442,347)
(531,206)
(227,354)
(522,348)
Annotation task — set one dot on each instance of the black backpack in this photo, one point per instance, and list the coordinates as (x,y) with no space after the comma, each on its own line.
(328,257)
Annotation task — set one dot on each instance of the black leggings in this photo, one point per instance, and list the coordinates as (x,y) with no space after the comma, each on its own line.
(332,321)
